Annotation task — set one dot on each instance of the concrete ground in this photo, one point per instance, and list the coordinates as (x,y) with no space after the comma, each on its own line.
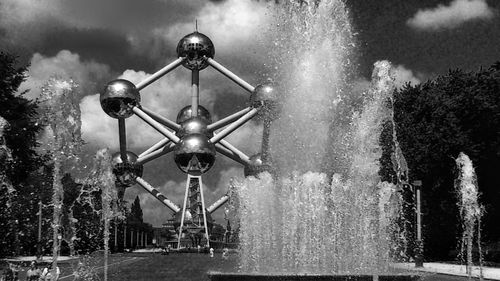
(193,267)
(489,273)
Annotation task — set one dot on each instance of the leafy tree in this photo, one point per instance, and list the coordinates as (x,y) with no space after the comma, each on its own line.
(22,115)
(18,220)
(436,120)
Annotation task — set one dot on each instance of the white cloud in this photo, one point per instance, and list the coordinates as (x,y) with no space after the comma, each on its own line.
(65,65)
(452,15)
(230,24)
(247,138)
(234,26)
(403,75)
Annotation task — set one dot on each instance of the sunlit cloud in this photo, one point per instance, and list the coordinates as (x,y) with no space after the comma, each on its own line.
(403,75)
(64,65)
(451,16)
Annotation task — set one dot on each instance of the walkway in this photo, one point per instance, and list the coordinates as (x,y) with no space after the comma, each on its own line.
(490,273)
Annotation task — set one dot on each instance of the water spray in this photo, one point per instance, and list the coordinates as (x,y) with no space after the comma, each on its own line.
(471,211)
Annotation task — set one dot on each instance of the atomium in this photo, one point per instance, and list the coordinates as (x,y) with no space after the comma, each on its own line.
(118,98)
(193,138)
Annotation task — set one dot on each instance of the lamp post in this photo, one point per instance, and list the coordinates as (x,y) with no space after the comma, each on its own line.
(419,246)
(39,240)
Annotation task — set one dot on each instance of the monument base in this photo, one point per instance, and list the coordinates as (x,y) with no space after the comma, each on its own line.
(219,276)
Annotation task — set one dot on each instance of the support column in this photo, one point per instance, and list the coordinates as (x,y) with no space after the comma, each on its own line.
(39,241)
(204,213)
(124,236)
(183,214)
(116,235)
(131,238)
(419,247)
(195,92)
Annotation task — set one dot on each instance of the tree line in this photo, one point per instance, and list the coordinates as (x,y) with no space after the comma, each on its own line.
(435,121)
(26,183)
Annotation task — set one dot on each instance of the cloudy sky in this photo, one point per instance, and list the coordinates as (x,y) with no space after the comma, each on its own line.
(93,41)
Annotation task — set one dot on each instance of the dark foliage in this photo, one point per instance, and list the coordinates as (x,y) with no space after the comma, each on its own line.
(436,120)
(18,223)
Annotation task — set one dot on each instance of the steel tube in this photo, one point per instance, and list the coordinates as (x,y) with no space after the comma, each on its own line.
(157,194)
(171,136)
(157,75)
(156,146)
(123,139)
(183,214)
(227,120)
(162,120)
(204,213)
(218,204)
(195,92)
(230,75)
(155,154)
(235,151)
(229,154)
(235,125)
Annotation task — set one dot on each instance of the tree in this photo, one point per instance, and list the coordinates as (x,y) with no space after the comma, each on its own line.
(436,120)
(136,212)
(20,137)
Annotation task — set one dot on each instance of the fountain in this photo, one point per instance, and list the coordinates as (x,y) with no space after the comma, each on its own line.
(313,205)
(325,215)
(62,114)
(470,211)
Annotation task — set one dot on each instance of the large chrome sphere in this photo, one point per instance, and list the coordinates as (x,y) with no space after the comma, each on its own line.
(196,48)
(266,96)
(194,125)
(194,154)
(187,112)
(257,166)
(126,171)
(117,98)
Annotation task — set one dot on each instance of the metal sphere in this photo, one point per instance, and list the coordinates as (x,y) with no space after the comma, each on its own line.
(196,48)
(266,96)
(194,154)
(117,98)
(126,171)
(194,125)
(257,166)
(186,113)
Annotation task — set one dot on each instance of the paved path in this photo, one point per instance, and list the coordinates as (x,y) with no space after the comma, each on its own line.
(194,267)
(489,273)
